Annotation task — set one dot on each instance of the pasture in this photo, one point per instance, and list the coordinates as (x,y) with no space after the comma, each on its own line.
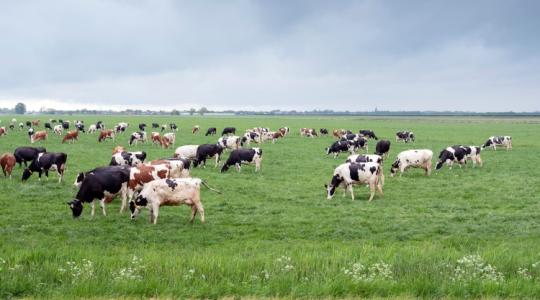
(458,233)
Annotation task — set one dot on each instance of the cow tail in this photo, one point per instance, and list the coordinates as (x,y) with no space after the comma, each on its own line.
(208,187)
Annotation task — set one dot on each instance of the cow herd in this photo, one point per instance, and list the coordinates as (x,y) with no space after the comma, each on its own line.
(151,184)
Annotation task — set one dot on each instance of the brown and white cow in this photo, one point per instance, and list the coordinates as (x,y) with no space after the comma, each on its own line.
(35,122)
(308,132)
(178,167)
(7,161)
(273,136)
(195,129)
(106,134)
(71,136)
(118,149)
(38,136)
(169,138)
(284,130)
(3,131)
(143,174)
(157,140)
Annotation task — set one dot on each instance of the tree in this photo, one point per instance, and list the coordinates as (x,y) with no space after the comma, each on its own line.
(203,110)
(175,112)
(20,108)
(192,111)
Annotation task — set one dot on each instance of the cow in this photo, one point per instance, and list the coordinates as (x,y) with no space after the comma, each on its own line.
(449,155)
(163,127)
(30,133)
(211,131)
(58,129)
(308,132)
(38,136)
(170,192)
(80,127)
(493,141)
(100,125)
(186,151)
(368,133)
(195,129)
(273,136)
(71,136)
(28,124)
(251,136)
(359,141)
(173,126)
(156,139)
(341,146)
(36,122)
(155,125)
(118,149)
(206,151)
(406,136)
(136,137)
(228,131)
(21,126)
(65,125)
(48,126)
(142,126)
(362,158)
(121,127)
(25,154)
(103,184)
(178,167)
(11,126)
(239,156)
(3,131)
(169,138)
(348,174)
(44,162)
(92,128)
(472,153)
(230,142)
(338,133)
(143,174)
(106,134)
(284,130)
(416,158)
(323,131)
(7,161)
(128,158)
(382,148)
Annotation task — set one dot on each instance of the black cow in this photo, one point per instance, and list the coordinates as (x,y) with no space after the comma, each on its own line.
(104,185)
(142,126)
(155,125)
(45,162)
(65,125)
(451,155)
(228,130)
(205,151)
(211,131)
(48,126)
(382,147)
(24,154)
(323,131)
(53,121)
(240,156)
(341,146)
(368,133)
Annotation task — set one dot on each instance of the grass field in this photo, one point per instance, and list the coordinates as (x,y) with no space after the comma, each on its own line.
(459,233)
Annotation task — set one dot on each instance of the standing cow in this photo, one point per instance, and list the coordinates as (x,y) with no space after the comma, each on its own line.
(493,141)
(406,136)
(451,155)
(7,161)
(348,174)
(420,158)
(232,142)
(25,154)
(45,162)
(211,131)
(207,151)
(239,156)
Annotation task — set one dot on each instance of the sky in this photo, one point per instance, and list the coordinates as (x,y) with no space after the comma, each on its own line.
(262,55)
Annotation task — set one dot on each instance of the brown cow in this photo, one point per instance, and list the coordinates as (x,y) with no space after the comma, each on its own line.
(35,122)
(3,131)
(142,174)
(71,136)
(156,139)
(284,130)
(338,133)
(118,149)
(195,129)
(106,134)
(7,161)
(39,136)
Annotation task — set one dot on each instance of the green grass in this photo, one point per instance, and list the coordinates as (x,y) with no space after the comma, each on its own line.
(420,228)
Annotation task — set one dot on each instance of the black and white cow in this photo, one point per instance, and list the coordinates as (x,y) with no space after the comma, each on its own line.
(142,126)
(415,158)
(211,131)
(25,154)
(100,125)
(81,175)
(493,141)
(251,136)
(382,148)
(472,153)
(323,131)
(80,127)
(360,142)
(45,162)
(121,127)
(348,174)
(451,155)
(206,151)
(155,125)
(406,136)
(341,146)
(232,142)
(139,136)
(368,133)
(173,126)
(239,156)
(65,125)
(30,132)
(228,130)
(103,184)
(128,158)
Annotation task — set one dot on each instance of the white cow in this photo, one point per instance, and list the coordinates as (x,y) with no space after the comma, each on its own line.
(229,142)
(417,158)
(186,151)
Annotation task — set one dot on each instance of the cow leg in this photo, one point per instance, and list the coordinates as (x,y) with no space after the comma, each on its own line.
(428,168)
(350,189)
(200,208)
(156,212)
(257,165)
(237,167)
(336,154)
(479,160)
(102,204)
(371,190)
(217,161)
(193,213)
(93,205)
(124,196)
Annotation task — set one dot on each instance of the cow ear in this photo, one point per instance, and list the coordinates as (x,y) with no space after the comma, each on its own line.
(326,185)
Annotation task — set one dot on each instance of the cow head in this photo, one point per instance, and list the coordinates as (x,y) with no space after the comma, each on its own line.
(136,205)
(26,174)
(444,156)
(487,143)
(331,188)
(394,168)
(76,207)
(411,136)
(224,168)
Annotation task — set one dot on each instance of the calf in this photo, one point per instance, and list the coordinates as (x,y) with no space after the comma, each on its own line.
(405,136)
(240,156)
(323,131)
(228,131)
(186,151)
(229,142)
(137,137)
(206,151)
(195,129)
(493,141)
(341,146)
(451,155)
(274,136)
(38,136)
(156,139)
(412,159)
(106,134)
(128,158)
(348,174)
(338,133)
(103,184)
(25,154)
(58,129)
(382,148)
(211,131)
(7,161)
(368,133)
(44,162)
(170,192)
(71,136)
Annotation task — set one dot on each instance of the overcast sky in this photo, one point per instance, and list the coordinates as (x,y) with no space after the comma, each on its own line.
(342,55)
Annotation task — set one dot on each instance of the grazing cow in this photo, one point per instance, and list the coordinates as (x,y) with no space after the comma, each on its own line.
(308,132)
(103,184)
(284,130)
(158,140)
(28,124)
(71,136)
(142,126)
(173,126)
(195,129)
(65,125)
(239,156)
(44,162)
(170,192)
(7,161)
(251,136)
(155,125)
(92,128)
(228,131)
(30,133)
(178,167)
(493,141)
(451,155)
(35,122)
(143,174)
(58,129)
(21,126)
(106,134)
(100,125)
(25,154)
(169,138)
(368,133)
(323,131)
(136,137)
(406,136)
(420,158)
(206,151)
(382,148)
(128,158)
(52,120)
(121,127)
(230,142)
(186,151)
(273,136)
(472,153)
(211,131)
(118,149)
(341,146)
(48,126)
(348,174)
(3,131)
(38,136)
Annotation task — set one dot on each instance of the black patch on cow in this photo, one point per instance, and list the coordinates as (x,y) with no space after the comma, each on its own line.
(171,183)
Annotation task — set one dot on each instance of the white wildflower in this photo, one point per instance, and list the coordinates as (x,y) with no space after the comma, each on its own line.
(473,267)
(131,272)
